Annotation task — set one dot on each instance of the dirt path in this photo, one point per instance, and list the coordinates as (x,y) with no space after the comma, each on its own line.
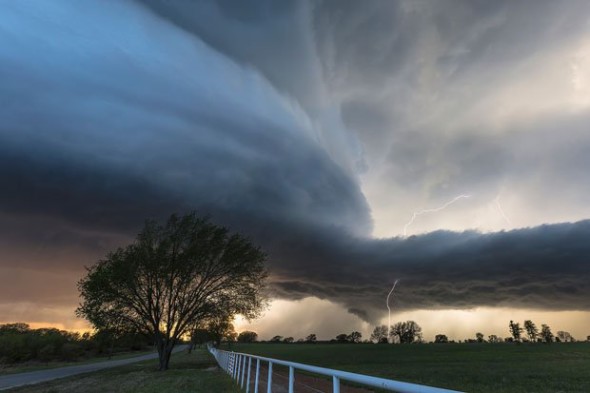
(14,380)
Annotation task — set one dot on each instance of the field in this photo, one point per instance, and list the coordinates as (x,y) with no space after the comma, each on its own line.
(510,368)
(195,373)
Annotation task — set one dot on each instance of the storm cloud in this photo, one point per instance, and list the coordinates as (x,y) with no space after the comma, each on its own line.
(544,267)
(317,128)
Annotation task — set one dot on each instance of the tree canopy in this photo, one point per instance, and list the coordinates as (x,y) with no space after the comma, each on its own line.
(380,334)
(354,337)
(515,330)
(406,332)
(531,330)
(173,276)
(546,334)
(247,337)
(441,339)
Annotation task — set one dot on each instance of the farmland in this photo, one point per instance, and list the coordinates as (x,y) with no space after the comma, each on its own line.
(509,368)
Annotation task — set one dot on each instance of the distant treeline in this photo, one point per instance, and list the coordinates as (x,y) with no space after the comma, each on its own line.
(409,332)
(19,343)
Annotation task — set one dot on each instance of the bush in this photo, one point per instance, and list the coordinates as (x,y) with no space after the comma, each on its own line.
(70,352)
(19,343)
(47,353)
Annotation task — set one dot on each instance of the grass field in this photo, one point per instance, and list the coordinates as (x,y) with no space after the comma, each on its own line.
(195,373)
(530,368)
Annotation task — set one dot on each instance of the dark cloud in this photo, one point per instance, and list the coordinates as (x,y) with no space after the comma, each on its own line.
(167,144)
(81,193)
(93,144)
(274,37)
(120,111)
(544,267)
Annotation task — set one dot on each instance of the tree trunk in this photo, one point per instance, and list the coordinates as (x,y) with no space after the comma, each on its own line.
(112,347)
(164,353)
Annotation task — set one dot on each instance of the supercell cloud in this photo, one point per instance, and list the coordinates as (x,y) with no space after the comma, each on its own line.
(317,128)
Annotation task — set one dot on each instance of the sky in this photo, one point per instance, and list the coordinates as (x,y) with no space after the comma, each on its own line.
(444,144)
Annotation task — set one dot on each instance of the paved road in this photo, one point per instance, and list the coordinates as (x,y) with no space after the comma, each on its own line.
(14,380)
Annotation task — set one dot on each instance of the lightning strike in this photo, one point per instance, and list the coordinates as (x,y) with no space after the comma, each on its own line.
(389,310)
(497,203)
(421,212)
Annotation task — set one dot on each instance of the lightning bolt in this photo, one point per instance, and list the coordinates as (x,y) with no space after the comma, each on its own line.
(421,212)
(497,202)
(389,310)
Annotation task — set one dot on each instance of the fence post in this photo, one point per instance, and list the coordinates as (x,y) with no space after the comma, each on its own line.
(269,386)
(291,379)
(336,383)
(257,375)
(249,372)
(243,371)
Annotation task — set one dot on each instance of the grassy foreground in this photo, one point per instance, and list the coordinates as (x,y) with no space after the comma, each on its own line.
(195,373)
(506,368)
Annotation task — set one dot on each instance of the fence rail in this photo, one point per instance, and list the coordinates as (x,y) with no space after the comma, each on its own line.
(239,367)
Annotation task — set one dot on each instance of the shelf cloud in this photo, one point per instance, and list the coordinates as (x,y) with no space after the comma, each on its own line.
(317,129)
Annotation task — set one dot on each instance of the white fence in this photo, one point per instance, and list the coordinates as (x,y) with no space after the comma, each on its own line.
(239,366)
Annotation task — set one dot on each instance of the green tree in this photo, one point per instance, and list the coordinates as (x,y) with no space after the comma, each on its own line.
(494,339)
(198,336)
(20,343)
(276,339)
(354,337)
(247,337)
(515,330)
(379,334)
(531,330)
(406,332)
(565,337)
(441,339)
(288,340)
(479,337)
(14,328)
(311,339)
(231,336)
(172,277)
(342,338)
(546,333)
(220,328)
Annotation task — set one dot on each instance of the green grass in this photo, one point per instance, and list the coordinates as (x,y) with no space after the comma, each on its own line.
(35,365)
(506,368)
(194,373)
